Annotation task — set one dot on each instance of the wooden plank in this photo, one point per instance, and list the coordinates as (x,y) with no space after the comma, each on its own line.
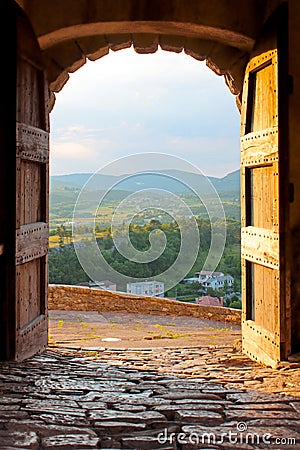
(31,242)
(259,334)
(44,281)
(33,273)
(20,306)
(29,278)
(276,205)
(18,194)
(244,104)
(260,345)
(28,99)
(244,289)
(45,103)
(261,60)
(243,197)
(260,89)
(259,148)
(265,111)
(34,193)
(260,202)
(266,292)
(32,143)
(32,338)
(22,206)
(30,201)
(260,246)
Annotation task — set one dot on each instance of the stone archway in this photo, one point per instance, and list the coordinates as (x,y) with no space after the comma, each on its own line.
(223,60)
(222,33)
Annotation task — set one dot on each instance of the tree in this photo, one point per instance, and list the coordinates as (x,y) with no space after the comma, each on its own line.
(139,236)
(237,304)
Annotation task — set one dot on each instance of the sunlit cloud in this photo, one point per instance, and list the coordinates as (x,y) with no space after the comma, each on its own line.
(128,103)
(71,150)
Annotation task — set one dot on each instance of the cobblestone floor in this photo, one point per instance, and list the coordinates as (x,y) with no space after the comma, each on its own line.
(148,399)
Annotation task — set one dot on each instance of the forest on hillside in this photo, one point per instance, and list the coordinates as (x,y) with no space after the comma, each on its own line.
(64,267)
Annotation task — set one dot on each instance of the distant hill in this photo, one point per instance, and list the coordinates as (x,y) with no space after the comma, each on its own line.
(135,182)
(231,182)
(64,190)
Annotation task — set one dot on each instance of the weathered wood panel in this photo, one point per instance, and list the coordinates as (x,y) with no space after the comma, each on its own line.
(261,197)
(258,345)
(31,236)
(244,199)
(260,93)
(259,148)
(32,143)
(30,207)
(262,59)
(262,268)
(264,107)
(266,288)
(31,242)
(260,246)
(33,336)
(29,281)
(29,108)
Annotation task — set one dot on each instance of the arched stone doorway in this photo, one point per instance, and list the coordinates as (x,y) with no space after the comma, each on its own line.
(224,34)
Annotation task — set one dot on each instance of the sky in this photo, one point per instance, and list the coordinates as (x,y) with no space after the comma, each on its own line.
(126,103)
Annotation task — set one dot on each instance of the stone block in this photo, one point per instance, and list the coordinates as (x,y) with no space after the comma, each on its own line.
(145,43)
(172,43)
(16,439)
(203,417)
(67,55)
(93,47)
(129,408)
(111,415)
(116,427)
(61,419)
(143,443)
(170,410)
(119,41)
(92,405)
(259,397)
(189,395)
(252,414)
(65,442)
(198,48)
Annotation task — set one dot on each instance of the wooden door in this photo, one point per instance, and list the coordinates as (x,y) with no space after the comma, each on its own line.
(25,236)
(264,202)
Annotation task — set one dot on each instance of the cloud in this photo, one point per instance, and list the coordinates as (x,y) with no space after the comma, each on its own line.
(127,103)
(74,150)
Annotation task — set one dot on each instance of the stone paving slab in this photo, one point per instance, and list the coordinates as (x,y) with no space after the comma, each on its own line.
(69,399)
(221,366)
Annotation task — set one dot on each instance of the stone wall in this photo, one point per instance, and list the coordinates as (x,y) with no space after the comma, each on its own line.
(86,299)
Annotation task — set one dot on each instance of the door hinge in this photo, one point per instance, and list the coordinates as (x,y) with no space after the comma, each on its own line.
(290,84)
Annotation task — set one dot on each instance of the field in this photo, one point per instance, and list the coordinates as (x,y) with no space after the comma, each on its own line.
(63,200)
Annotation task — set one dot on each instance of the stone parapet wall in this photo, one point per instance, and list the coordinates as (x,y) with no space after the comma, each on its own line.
(63,297)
